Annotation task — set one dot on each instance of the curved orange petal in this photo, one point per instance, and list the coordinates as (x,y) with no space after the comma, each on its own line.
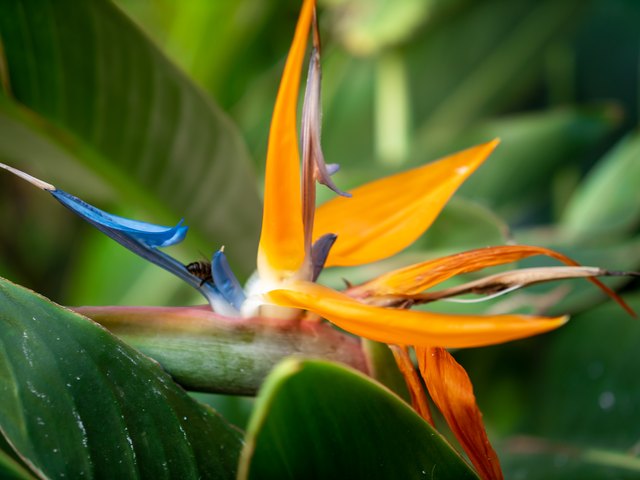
(388,215)
(408,327)
(452,392)
(419,400)
(281,241)
(414,279)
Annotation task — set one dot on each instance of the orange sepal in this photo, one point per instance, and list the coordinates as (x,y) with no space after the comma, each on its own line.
(415,279)
(409,327)
(452,392)
(418,396)
(385,216)
(282,240)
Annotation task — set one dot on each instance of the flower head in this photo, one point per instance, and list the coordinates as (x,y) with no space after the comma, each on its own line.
(369,223)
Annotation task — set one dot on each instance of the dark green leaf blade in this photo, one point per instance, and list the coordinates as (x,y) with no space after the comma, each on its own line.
(586,421)
(11,467)
(316,419)
(92,83)
(608,201)
(80,403)
(479,59)
(532,145)
(384,369)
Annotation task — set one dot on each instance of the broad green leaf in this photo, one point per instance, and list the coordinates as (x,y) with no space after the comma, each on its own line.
(608,200)
(220,44)
(463,225)
(532,146)
(86,82)
(11,467)
(365,27)
(384,369)
(477,60)
(585,422)
(10,470)
(77,402)
(348,130)
(592,359)
(599,59)
(103,272)
(539,459)
(320,420)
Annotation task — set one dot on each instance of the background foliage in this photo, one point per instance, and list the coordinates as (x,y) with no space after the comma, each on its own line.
(404,82)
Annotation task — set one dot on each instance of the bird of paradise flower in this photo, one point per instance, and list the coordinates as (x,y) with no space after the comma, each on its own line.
(369,223)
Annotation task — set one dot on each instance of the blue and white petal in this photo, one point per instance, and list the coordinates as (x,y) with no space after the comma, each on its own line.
(149,234)
(141,238)
(225,281)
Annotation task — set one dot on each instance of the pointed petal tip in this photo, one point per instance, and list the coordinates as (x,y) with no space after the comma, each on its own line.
(389,214)
(121,229)
(451,390)
(537,325)
(331,169)
(281,246)
(483,150)
(410,327)
(25,176)
(225,280)
(336,190)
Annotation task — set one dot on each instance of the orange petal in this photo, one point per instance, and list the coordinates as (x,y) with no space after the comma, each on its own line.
(416,278)
(452,392)
(408,327)
(388,215)
(418,396)
(281,241)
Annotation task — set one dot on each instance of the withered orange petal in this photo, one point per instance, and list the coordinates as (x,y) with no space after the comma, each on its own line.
(385,216)
(414,279)
(418,396)
(281,241)
(452,392)
(408,327)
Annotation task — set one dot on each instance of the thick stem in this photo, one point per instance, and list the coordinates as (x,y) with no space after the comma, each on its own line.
(208,352)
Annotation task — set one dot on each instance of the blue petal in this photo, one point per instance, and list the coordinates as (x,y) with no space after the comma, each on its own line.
(332,168)
(225,281)
(143,239)
(149,234)
(140,237)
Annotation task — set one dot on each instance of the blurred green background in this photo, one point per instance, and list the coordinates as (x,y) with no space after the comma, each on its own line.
(404,82)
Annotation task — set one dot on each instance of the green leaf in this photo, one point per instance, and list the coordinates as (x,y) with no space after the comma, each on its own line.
(105,273)
(532,146)
(607,201)
(78,402)
(478,59)
(374,25)
(222,45)
(11,467)
(384,369)
(87,83)
(320,420)
(463,225)
(585,421)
